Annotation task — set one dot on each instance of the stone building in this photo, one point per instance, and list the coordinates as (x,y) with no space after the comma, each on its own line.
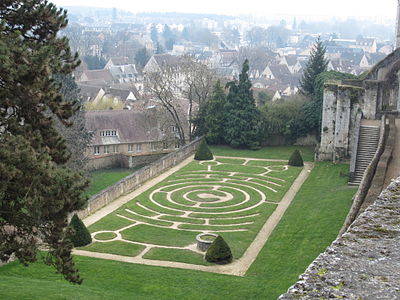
(346,104)
(126,138)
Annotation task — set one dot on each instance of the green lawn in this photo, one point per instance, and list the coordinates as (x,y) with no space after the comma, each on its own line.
(272,152)
(309,225)
(101,179)
(202,194)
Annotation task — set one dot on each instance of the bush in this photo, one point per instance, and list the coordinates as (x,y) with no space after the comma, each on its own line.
(295,159)
(81,237)
(203,152)
(219,252)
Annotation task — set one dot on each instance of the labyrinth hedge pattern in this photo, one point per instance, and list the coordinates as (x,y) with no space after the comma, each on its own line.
(226,195)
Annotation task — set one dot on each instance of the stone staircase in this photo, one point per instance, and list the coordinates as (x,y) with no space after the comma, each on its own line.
(367,145)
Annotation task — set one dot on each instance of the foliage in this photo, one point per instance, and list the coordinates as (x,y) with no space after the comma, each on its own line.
(241,114)
(154,33)
(94,62)
(142,57)
(194,84)
(283,118)
(219,252)
(37,189)
(316,65)
(76,136)
(81,236)
(215,116)
(313,109)
(277,36)
(295,159)
(203,152)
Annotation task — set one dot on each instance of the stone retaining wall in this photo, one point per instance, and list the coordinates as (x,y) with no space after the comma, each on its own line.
(364,263)
(131,182)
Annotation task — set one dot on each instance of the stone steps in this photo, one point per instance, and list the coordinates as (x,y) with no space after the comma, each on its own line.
(367,145)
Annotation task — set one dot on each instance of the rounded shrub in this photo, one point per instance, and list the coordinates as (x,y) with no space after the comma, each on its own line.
(219,252)
(295,159)
(203,152)
(82,236)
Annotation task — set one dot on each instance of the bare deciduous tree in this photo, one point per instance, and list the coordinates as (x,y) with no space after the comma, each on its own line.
(182,88)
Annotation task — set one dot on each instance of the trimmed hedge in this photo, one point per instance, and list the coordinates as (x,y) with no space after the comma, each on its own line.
(219,252)
(203,152)
(295,159)
(82,236)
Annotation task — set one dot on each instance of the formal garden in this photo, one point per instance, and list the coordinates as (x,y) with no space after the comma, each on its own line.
(161,223)
(228,196)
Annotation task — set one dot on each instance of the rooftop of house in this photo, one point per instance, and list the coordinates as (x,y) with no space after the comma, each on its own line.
(130,126)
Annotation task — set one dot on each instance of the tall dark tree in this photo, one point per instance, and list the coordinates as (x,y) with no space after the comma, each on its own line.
(215,116)
(142,57)
(37,189)
(154,33)
(241,114)
(316,65)
(94,62)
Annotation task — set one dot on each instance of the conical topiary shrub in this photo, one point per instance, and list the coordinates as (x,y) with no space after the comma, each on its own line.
(203,152)
(295,159)
(82,236)
(219,252)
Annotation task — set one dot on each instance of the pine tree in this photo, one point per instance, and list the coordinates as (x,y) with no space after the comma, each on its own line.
(316,65)
(37,189)
(215,116)
(241,114)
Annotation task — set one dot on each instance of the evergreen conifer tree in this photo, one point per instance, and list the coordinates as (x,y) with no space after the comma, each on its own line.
(241,114)
(37,189)
(82,236)
(203,152)
(215,115)
(295,159)
(316,65)
(219,252)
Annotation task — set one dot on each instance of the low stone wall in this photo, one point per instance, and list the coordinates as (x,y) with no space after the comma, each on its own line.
(364,263)
(365,184)
(353,159)
(122,160)
(137,178)
(378,182)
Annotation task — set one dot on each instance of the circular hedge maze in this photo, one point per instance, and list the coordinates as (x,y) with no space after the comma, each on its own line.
(227,196)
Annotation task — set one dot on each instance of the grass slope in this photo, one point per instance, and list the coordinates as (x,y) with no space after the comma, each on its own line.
(308,227)
(101,179)
(265,152)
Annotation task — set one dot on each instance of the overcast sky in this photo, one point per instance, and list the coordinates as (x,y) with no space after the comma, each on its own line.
(382,8)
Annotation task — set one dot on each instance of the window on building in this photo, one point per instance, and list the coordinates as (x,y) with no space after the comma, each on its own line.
(96,150)
(138,147)
(106,150)
(115,148)
(130,147)
(176,145)
(165,145)
(153,146)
